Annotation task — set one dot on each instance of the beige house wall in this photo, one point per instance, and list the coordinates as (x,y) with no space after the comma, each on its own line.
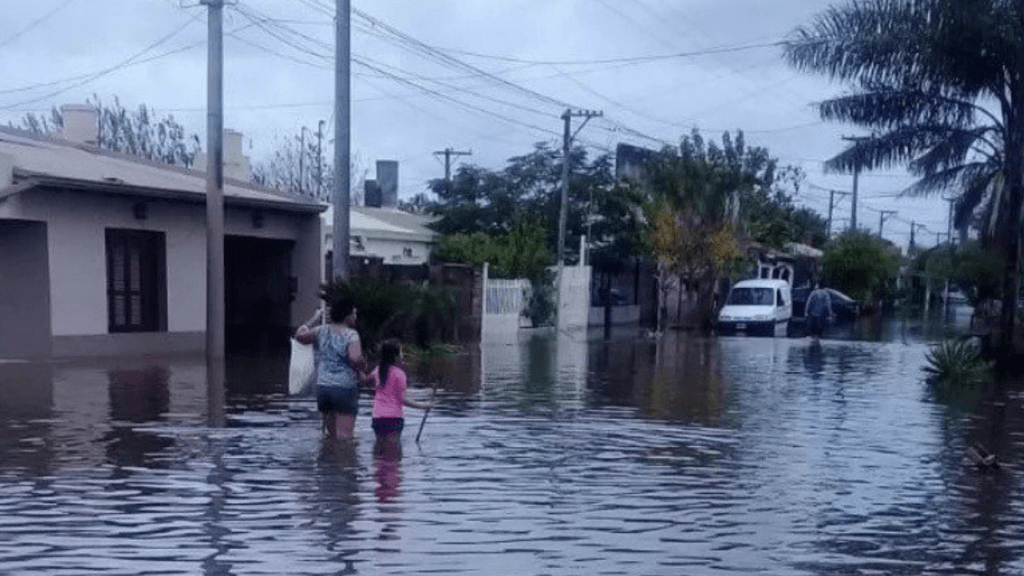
(76,224)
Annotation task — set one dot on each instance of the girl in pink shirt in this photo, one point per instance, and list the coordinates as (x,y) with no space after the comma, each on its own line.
(390,382)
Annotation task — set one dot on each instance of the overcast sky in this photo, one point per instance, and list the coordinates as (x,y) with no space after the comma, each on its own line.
(407,103)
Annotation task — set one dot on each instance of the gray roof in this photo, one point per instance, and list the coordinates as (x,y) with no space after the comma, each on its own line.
(386,224)
(49,162)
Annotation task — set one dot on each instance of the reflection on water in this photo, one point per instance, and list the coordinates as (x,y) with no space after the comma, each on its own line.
(551,455)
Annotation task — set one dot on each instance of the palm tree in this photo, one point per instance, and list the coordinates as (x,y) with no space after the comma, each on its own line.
(938,83)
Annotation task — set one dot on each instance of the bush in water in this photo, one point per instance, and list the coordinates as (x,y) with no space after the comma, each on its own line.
(418,315)
(956,363)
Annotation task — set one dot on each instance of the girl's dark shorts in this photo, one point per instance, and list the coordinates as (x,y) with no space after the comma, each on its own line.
(337,399)
(385,426)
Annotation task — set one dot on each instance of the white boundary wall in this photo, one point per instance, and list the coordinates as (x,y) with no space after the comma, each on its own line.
(575,312)
(504,302)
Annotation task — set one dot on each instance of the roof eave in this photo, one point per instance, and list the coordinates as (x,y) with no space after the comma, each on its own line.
(145,192)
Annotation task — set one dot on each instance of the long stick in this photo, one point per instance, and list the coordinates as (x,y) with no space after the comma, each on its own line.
(427,411)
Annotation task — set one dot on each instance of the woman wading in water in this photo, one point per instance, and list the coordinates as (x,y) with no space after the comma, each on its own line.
(340,365)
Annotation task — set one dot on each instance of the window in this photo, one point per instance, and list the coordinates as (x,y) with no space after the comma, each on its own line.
(781,299)
(407,252)
(751,297)
(136,284)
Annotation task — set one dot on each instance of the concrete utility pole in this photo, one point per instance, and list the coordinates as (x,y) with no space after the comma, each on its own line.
(563,212)
(448,153)
(215,181)
(881,219)
(342,136)
(320,160)
(913,228)
(856,177)
(302,160)
(831,204)
(949,220)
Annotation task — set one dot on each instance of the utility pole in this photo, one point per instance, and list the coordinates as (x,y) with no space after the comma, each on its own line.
(831,203)
(949,219)
(342,136)
(881,219)
(856,177)
(302,159)
(448,153)
(320,160)
(913,228)
(215,182)
(563,212)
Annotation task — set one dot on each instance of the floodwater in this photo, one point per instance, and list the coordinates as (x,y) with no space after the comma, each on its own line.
(553,455)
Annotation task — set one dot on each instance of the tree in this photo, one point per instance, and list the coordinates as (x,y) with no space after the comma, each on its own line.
(971,267)
(860,265)
(136,133)
(528,190)
(698,189)
(303,166)
(925,74)
(772,219)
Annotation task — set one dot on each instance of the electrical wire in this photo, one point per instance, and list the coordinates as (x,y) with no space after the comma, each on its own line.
(32,25)
(92,77)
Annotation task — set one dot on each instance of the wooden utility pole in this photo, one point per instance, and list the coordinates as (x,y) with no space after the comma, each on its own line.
(567,138)
(215,181)
(448,153)
(342,136)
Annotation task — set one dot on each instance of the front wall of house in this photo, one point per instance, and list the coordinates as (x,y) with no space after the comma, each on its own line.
(77,223)
(406,252)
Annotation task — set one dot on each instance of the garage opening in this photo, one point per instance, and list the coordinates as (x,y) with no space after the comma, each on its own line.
(259,288)
(24,290)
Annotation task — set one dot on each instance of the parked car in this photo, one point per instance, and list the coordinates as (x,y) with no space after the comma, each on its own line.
(757,307)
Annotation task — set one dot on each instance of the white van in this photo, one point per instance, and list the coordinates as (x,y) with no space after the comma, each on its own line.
(761,307)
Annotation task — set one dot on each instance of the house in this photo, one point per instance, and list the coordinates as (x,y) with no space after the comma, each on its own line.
(105,254)
(379,230)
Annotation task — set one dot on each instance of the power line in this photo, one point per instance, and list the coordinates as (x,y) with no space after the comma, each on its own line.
(623,60)
(124,63)
(32,25)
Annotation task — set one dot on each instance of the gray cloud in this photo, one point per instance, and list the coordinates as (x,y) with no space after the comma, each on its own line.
(269,97)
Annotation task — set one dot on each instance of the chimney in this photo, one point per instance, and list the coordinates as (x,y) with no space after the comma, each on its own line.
(387,178)
(81,123)
(371,193)
(236,165)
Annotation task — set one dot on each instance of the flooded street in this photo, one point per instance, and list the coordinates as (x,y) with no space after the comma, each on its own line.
(554,455)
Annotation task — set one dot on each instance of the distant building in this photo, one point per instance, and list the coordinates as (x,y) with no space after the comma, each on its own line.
(105,254)
(380,230)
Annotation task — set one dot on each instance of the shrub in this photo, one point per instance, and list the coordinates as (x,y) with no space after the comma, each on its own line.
(418,315)
(956,363)
(540,308)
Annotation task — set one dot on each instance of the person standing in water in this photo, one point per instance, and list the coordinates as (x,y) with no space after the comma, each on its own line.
(340,365)
(390,382)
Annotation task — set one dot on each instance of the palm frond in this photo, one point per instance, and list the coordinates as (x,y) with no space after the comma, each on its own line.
(952,178)
(976,190)
(952,149)
(885,108)
(896,147)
